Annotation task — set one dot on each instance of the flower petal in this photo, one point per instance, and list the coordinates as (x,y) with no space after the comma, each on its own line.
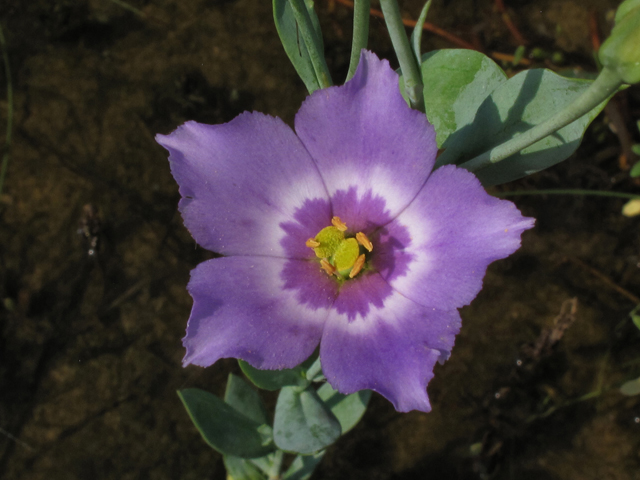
(392,349)
(240,181)
(250,308)
(456,230)
(364,134)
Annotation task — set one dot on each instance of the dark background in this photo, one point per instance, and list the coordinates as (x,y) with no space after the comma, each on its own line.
(90,346)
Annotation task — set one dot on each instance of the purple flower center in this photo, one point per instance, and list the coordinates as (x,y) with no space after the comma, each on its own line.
(368,220)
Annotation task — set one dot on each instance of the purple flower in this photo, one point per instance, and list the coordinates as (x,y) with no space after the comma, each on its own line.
(338,234)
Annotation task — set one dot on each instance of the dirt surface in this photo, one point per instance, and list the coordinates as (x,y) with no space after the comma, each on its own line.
(94,257)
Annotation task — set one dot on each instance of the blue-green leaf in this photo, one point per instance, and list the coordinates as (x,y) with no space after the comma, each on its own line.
(223,427)
(303,423)
(245,399)
(348,409)
(518,104)
(241,469)
(293,43)
(303,466)
(416,35)
(456,82)
(274,379)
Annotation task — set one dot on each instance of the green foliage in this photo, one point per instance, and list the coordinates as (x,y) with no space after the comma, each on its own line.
(348,409)
(456,82)
(273,380)
(240,469)
(303,466)
(224,428)
(515,106)
(303,423)
(293,43)
(245,399)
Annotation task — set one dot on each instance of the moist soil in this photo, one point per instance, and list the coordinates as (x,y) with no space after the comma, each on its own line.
(95,259)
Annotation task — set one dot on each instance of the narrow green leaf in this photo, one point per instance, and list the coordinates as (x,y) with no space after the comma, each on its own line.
(274,379)
(416,35)
(632,387)
(303,466)
(241,469)
(348,409)
(303,423)
(245,399)
(293,42)
(456,82)
(525,100)
(636,320)
(223,427)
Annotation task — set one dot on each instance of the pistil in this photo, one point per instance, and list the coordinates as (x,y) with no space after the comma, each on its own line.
(344,257)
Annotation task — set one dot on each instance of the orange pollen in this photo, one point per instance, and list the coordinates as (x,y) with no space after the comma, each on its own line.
(339,224)
(327,267)
(312,243)
(357,266)
(364,241)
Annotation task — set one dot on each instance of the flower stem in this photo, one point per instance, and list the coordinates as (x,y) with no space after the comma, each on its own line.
(406,58)
(274,474)
(360,33)
(312,42)
(7,145)
(606,84)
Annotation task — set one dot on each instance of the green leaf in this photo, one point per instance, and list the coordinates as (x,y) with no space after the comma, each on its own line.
(303,423)
(240,469)
(632,387)
(293,43)
(348,409)
(223,427)
(518,104)
(274,379)
(303,466)
(455,83)
(416,35)
(635,318)
(245,399)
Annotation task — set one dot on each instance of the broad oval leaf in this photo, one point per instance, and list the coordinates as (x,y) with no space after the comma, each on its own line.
(245,399)
(303,423)
(456,82)
(348,409)
(526,100)
(274,379)
(223,427)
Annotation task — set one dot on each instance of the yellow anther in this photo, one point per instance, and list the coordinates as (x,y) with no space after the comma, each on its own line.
(312,243)
(339,224)
(364,241)
(327,267)
(357,266)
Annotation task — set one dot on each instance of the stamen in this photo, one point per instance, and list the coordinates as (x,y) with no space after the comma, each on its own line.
(364,241)
(327,267)
(312,243)
(339,224)
(357,266)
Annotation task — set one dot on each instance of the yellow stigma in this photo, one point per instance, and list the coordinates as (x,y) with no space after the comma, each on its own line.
(339,224)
